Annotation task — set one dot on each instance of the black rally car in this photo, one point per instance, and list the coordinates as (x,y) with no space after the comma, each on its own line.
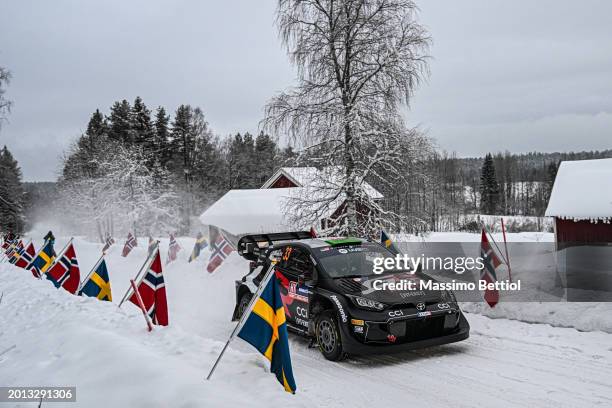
(328,293)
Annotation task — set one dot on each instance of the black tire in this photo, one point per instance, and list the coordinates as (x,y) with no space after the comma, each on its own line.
(328,336)
(243,303)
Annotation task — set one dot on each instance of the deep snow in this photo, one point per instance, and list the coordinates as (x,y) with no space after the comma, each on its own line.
(107,353)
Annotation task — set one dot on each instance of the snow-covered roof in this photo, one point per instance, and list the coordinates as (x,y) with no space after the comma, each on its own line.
(250,211)
(311,176)
(582,191)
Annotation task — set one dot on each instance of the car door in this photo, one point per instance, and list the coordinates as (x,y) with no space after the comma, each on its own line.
(295,262)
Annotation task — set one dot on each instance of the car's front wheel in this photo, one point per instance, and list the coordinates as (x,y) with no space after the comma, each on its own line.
(328,336)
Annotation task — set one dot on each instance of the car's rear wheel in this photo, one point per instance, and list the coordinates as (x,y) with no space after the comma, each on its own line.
(245,299)
(328,336)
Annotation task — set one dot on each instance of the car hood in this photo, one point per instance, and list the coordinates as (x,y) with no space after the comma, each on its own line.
(363,286)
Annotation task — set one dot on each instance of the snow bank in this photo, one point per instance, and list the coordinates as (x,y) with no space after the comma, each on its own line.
(109,356)
(475,237)
(535,271)
(592,316)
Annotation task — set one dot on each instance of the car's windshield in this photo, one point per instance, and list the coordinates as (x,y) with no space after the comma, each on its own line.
(351,260)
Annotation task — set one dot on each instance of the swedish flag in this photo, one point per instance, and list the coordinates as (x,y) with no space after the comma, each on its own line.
(266,329)
(97,284)
(385,240)
(200,244)
(44,259)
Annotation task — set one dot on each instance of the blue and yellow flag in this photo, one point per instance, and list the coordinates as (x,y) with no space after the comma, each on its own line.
(98,284)
(200,244)
(266,329)
(385,240)
(44,259)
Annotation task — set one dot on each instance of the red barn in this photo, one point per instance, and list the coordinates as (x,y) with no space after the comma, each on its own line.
(260,210)
(581,203)
(287,177)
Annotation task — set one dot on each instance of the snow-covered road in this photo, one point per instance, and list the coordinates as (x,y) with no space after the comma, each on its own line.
(61,339)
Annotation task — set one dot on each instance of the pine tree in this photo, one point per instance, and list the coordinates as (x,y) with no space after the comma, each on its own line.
(182,143)
(83,159)
(120,123)
(12,195)
(266,152)
(551,175)
(241,164)
(489,188)
(143,130)
(162,135)
(97,125)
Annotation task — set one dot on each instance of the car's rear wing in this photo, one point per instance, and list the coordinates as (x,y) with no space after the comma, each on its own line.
(252,246)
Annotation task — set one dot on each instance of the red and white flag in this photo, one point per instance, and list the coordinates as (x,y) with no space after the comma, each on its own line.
(173,249)
(14,252)
(130,243)
(109,242)
(152,290)
(220,248)
(488,273)
(65,271)
(26,257)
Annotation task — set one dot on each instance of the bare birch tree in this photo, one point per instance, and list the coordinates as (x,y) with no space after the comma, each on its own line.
(358,63)
(5,104)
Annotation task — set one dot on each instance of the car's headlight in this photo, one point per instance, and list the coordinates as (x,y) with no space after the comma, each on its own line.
(367,303)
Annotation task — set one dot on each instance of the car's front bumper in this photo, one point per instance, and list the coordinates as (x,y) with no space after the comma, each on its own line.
(352,344)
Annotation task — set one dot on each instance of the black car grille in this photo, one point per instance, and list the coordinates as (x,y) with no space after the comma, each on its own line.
(411,304)
(406,331)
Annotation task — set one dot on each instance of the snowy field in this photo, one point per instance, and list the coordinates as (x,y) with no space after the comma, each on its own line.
(63,340)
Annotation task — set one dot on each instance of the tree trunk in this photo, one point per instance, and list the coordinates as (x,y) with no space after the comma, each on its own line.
(351,205)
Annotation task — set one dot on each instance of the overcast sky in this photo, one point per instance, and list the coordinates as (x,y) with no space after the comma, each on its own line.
(505,75)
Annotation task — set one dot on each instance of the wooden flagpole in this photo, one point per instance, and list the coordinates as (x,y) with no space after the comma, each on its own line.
(141,304)
(506,247)
(147,262)
(244,317)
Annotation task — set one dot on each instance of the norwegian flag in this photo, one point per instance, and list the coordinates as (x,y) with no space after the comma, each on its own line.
(152,290)
(26,257)
(220,248)
(8,240)
(65,271)
(15,252)
(130,243)
(8,251)
(491,262)
(109,242)
(173,249)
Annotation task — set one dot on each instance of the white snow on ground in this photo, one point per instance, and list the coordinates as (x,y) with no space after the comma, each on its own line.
(471,237)
(585,316)
(114,362)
